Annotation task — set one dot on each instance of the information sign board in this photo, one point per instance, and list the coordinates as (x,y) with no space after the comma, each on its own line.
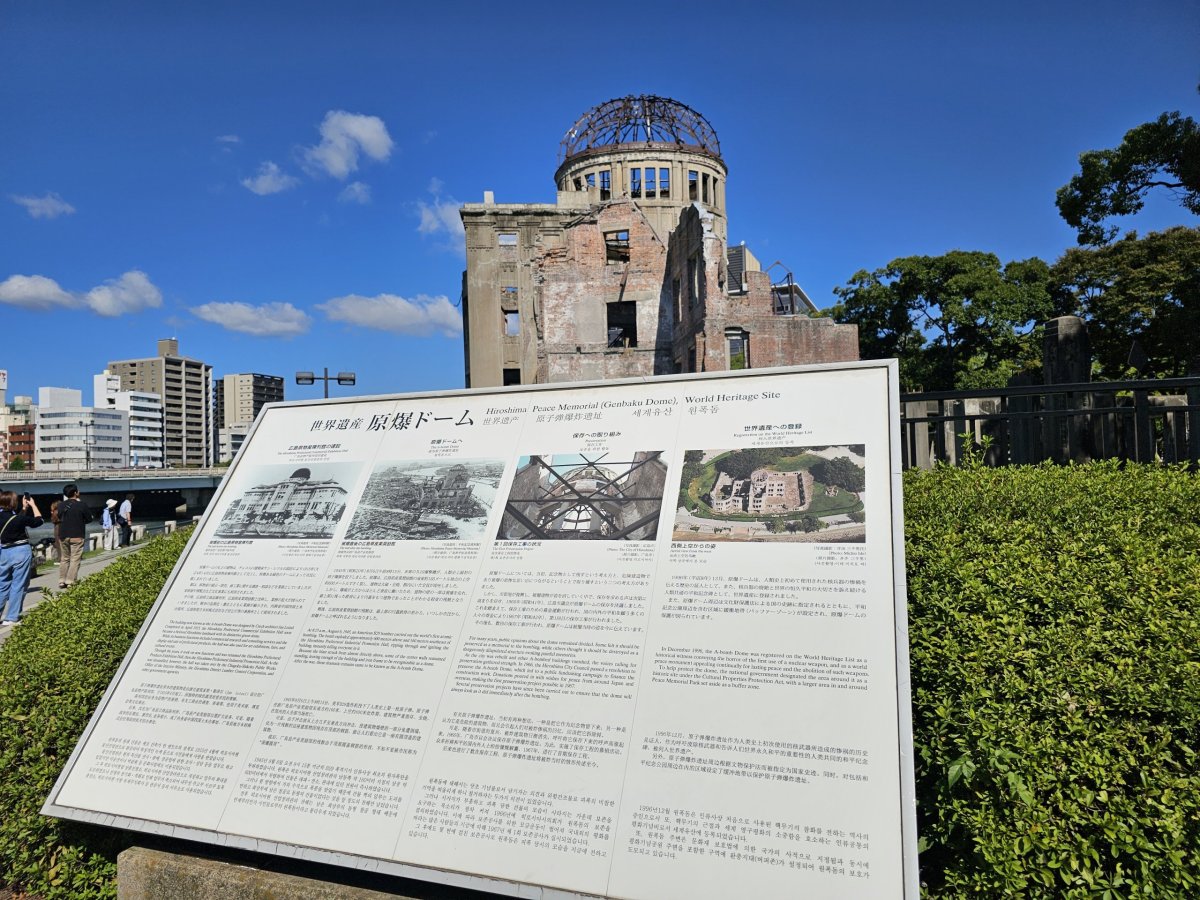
(642,639)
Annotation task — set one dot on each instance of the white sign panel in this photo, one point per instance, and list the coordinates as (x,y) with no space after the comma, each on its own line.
(637,640)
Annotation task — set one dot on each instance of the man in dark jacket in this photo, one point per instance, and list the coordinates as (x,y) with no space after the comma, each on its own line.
(73,516)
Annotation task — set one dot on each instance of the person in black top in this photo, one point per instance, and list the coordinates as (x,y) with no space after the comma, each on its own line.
(73,517)
(16,558)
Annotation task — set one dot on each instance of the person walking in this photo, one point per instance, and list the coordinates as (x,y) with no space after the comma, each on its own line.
(73,516)
(109,520)
(125,520)
(16,557)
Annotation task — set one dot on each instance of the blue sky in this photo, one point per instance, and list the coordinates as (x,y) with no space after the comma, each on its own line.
(275,184)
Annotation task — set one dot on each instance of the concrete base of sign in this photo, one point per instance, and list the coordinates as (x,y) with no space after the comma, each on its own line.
(144,874)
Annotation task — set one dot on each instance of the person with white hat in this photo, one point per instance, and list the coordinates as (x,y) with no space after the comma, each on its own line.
(109,520)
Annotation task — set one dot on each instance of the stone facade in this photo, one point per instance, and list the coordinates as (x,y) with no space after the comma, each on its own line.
(627,274)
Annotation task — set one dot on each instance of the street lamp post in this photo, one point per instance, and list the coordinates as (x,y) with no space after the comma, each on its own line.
(343,378)
(87,445)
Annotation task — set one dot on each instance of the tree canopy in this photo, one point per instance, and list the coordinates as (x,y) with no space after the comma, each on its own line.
(959,320)
(1164,153)
(1137,289)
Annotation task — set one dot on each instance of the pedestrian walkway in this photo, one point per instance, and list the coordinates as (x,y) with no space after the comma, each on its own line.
(47,578)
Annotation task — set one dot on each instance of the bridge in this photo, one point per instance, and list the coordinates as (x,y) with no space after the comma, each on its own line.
(156,491)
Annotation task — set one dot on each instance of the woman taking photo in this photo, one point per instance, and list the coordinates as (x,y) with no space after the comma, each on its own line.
(16,557)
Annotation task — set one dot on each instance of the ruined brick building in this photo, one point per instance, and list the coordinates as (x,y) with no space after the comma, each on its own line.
(629,272)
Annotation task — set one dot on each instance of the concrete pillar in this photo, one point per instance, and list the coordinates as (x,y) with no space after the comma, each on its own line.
(1067,359)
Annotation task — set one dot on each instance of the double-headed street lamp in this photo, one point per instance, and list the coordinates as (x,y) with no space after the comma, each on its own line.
(311,377)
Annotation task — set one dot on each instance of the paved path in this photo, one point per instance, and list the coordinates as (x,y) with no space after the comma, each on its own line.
(48,578)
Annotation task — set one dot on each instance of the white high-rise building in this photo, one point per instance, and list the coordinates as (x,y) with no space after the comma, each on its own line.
(72,437)
(145,411)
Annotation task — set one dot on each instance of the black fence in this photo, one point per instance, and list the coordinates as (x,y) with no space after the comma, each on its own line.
(1143,421)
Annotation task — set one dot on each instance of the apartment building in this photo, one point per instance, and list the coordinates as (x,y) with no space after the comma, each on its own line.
(185,386)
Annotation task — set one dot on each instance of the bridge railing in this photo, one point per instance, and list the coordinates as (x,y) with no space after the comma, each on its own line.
(1142,421)
(84,474)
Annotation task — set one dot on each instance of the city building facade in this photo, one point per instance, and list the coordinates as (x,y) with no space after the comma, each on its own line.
(185,386)
(17,426)
(629,271)
(71,437)
(145,411)
(237,401)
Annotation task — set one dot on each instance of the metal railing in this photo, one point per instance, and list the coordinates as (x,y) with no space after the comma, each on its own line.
(1142,421)
(66,476)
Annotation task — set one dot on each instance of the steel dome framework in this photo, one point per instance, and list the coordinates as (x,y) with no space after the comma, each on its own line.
(642,119)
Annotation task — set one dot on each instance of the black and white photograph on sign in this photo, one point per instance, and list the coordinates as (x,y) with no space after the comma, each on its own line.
(290,502)
(585,496)
(427,500)
(810,494)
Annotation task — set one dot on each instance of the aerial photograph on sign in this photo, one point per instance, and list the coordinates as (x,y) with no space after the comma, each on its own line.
(290,502)
(593,496)
(811,494)
(427,500)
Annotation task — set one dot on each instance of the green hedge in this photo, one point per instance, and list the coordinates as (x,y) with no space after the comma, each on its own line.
(54,668)
(1055,646)
(1055,640)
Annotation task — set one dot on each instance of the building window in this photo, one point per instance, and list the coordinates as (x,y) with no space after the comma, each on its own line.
(692,358)
(579,184)
(591,180)
(675,298)
(605,184)
(694,280)
(509,293)
(512,324)
(651,193)
(616,246)
(693,185)
(635,182)
(715,201)
(622,324)
(507,239)
(737,343)
(511,377)
(704,188)
(664,183)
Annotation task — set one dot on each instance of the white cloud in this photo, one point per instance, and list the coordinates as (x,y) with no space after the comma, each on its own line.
(421,316)
(270,180)
(344,136)
(440,216)
(227,139)
(51,206)
(132,292)
(35,292)
(355,192)
(265,320)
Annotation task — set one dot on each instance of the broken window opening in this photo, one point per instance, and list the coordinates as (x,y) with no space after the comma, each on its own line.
(737,342)
(664,183)
(635,183)
(512,324)
(622,324)
(692,359)
(693,185)
(694,280)
(579,184)
(511,377)
(704,188)
(605,184)
(715,201)
(651,193)
(591,180)
(507,239)
(616,246)
(675,297)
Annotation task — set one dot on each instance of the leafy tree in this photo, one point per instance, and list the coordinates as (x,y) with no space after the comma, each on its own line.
(1164,153)
(842,472)
(16,464)
(960,320)
(811,523)
(1144,289)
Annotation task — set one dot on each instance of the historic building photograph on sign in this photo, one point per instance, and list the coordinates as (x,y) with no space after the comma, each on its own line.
(307,503)
(576,496)
(773,493)
(428,500)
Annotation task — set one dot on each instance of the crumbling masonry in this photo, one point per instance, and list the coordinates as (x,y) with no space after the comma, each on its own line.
(628,272)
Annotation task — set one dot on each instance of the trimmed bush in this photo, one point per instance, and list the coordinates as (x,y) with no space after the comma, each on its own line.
(54,669)
(1055,640)
(1054,618)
